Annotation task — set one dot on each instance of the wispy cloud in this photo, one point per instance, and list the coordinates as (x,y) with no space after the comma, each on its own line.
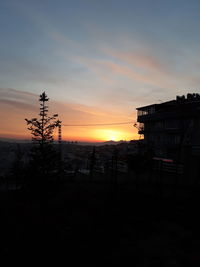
(137,58)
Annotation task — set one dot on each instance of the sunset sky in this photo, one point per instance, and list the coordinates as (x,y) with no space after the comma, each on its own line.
(97,60)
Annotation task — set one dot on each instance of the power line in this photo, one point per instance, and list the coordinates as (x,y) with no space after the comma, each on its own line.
(98,124)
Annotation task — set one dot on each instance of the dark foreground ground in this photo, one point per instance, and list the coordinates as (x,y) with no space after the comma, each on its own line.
(93,224)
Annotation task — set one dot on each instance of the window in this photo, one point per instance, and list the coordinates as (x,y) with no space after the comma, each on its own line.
(146,111)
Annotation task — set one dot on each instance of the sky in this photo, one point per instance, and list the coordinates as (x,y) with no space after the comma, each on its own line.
(97,60)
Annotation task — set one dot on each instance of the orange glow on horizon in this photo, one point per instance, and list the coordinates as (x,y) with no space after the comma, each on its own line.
(108,134)
(97,135)
(14,127)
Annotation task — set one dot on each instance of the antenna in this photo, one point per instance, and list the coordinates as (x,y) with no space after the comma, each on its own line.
(59,125)
(59,132)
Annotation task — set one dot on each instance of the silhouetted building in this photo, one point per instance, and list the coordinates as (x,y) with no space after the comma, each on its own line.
(172,129)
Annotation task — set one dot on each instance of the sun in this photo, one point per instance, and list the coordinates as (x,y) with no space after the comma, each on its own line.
(106,135)
(113,136)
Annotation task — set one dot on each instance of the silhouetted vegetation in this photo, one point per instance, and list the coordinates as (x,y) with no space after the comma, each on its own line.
(44,159)
(116,205)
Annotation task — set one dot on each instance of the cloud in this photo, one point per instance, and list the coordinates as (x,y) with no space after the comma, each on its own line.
(110,70)
(138,65)
(17,99)
(137,58)
(17,104)
(10,92)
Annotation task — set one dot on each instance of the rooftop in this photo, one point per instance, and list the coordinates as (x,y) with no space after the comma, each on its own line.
(188,99)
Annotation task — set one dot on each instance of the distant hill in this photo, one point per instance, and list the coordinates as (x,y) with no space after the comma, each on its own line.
(12,140)
(110,142)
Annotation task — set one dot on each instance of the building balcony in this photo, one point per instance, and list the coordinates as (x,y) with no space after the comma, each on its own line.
(141,131)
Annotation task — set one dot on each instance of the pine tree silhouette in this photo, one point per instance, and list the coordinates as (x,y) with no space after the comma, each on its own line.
(42,128)
(44,159)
